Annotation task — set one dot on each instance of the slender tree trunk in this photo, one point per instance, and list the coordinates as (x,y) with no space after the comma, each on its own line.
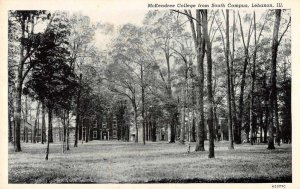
(278,129)
(143,104)
(193,129)
(169,93)
(216,124)
(211,153)
(68,131)
(232,92)
(43,124)
(230,133)
(273,98)
(200,49)
(25,120)
(49,131)
(185,90)
(34,132)
(253,83)
(24,132)
(135,122)
(18,106)
(261,129)
(82,136)
(87,131)
(64,130)
(200,52)
(182,125)
(243,81)
(36,129)
(78,112)
(10,129)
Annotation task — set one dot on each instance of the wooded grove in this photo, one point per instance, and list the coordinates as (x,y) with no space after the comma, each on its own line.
(182,76)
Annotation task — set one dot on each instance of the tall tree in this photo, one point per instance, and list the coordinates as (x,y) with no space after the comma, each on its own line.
(209,85)
(243,80)
(164,30)
(226,48)
(230,133)
(52,80)
(81,35)
(199,43)
(236,129)
(273,92)
(29,41)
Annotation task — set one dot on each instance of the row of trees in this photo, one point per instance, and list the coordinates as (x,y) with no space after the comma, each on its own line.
(247,56)
(180,70)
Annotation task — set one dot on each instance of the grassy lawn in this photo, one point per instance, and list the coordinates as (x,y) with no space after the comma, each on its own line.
(126,162)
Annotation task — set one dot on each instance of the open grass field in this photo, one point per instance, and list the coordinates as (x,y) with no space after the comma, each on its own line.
(126,162)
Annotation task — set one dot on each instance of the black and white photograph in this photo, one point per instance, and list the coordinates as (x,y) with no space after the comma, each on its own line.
(177,92)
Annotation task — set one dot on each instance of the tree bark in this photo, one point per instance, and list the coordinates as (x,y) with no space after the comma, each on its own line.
(143,104)
(230,133)
(78,112)
(18,105)
(68,131)
(64,130)
(200,51)
(232,92)
(36,125)
(49,131)
(136,140)
(241,98)
(185,90)
(273,95)
(253,82)
(211,153)
(43,132)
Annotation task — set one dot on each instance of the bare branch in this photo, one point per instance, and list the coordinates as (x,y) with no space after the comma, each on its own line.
(188,15)
(288,25)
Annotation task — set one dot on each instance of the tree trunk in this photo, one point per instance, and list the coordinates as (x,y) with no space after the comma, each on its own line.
(230,133)
(185,90)
(87,131)
(273,98)
(211,153)
(82,136)
(136,139)
(77,112)
(68,132)
(278,130)
(253,83)
(19,82)
(241,98)
(182,126)
(169,93)
(24,131)
(64,130)
(236,131)
(36,126)
(266,124)
(193,128)
(10,137)
(261,129)
(200,51)
(43,132)
(49,131)
(143,104)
